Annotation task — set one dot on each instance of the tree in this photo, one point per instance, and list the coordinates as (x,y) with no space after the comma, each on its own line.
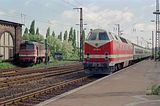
(52,44)
(37,31)
(53,34)
(65,35)
(48,32)
(26,31)
(31,35)
(83,34)
(67,49)
(25,37)
(60,36)
(25,34)
(74,39)
(32,28)
(70,34)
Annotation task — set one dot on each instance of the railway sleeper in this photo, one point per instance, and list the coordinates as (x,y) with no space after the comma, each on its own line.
(32,101)
(24,104)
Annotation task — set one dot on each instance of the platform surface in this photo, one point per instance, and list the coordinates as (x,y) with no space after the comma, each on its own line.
(125,88)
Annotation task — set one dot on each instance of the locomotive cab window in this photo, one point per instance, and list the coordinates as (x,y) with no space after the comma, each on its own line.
(27,46)
(92,36)
(103,36)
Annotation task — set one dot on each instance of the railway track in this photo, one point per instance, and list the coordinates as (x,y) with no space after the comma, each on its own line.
(9,82)
(30,75)
(36,96)
(25,71)
(19,84)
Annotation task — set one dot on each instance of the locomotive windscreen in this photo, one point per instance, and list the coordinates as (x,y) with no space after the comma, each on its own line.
(92,36)
(26,46)
(98,36)
(103,36)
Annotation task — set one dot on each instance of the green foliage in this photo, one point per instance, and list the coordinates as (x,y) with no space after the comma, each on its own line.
(75,55)
(70,35)
(65,35)
(35,38)
(54,44)
(31,36)
(67,49)
(26,31)
(58,44)
(53,34)
(6,65)
(74,39)
(32,28)
(60,36)
(37,31)
(53,63)
(48,32)
(155,90)
(25,36)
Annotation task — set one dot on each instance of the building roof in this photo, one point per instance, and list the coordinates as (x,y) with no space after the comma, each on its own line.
(10,23)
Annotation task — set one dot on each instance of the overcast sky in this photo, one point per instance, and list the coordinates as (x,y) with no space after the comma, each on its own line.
(60,16)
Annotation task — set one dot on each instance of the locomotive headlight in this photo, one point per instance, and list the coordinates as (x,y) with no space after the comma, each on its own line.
(87,55)
(106,55)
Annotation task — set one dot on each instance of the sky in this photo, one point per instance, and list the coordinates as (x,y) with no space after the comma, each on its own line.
(134,16)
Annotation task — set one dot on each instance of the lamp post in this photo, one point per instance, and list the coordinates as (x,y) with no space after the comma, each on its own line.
(81,33)
(153,44)
(157,36)
(153,47)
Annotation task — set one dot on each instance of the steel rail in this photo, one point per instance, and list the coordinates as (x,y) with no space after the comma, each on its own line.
(8,82)
(40,91)
(34,70)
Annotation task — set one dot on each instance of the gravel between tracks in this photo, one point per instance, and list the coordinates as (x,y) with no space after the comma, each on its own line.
(18,89)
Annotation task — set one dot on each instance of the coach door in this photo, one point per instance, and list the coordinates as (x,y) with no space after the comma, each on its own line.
(6,46)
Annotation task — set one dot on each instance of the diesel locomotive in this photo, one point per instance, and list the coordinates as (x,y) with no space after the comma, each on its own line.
(32,52)
(105,52)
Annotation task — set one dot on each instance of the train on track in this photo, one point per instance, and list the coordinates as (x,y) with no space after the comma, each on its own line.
(105,52)
(32,52)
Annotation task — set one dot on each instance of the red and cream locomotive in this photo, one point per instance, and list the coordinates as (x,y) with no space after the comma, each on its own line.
(32,52)
(105,52)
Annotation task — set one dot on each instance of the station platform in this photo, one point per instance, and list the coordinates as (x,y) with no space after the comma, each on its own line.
(127,87)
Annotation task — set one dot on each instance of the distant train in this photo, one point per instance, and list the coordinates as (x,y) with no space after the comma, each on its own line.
(105,52)
(32,52)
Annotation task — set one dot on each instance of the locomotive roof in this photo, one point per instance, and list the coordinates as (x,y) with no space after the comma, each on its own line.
(31,42)
(140,46)
(120,38)
(98,30)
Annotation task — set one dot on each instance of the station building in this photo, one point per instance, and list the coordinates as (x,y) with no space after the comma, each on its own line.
(10,38)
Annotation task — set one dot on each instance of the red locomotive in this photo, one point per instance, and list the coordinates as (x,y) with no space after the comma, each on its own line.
(105,52)
(32,52)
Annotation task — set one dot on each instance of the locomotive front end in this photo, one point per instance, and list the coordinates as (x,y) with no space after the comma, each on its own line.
(96,51)
(27,52)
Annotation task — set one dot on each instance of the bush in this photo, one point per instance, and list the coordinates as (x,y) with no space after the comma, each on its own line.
(155,90)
